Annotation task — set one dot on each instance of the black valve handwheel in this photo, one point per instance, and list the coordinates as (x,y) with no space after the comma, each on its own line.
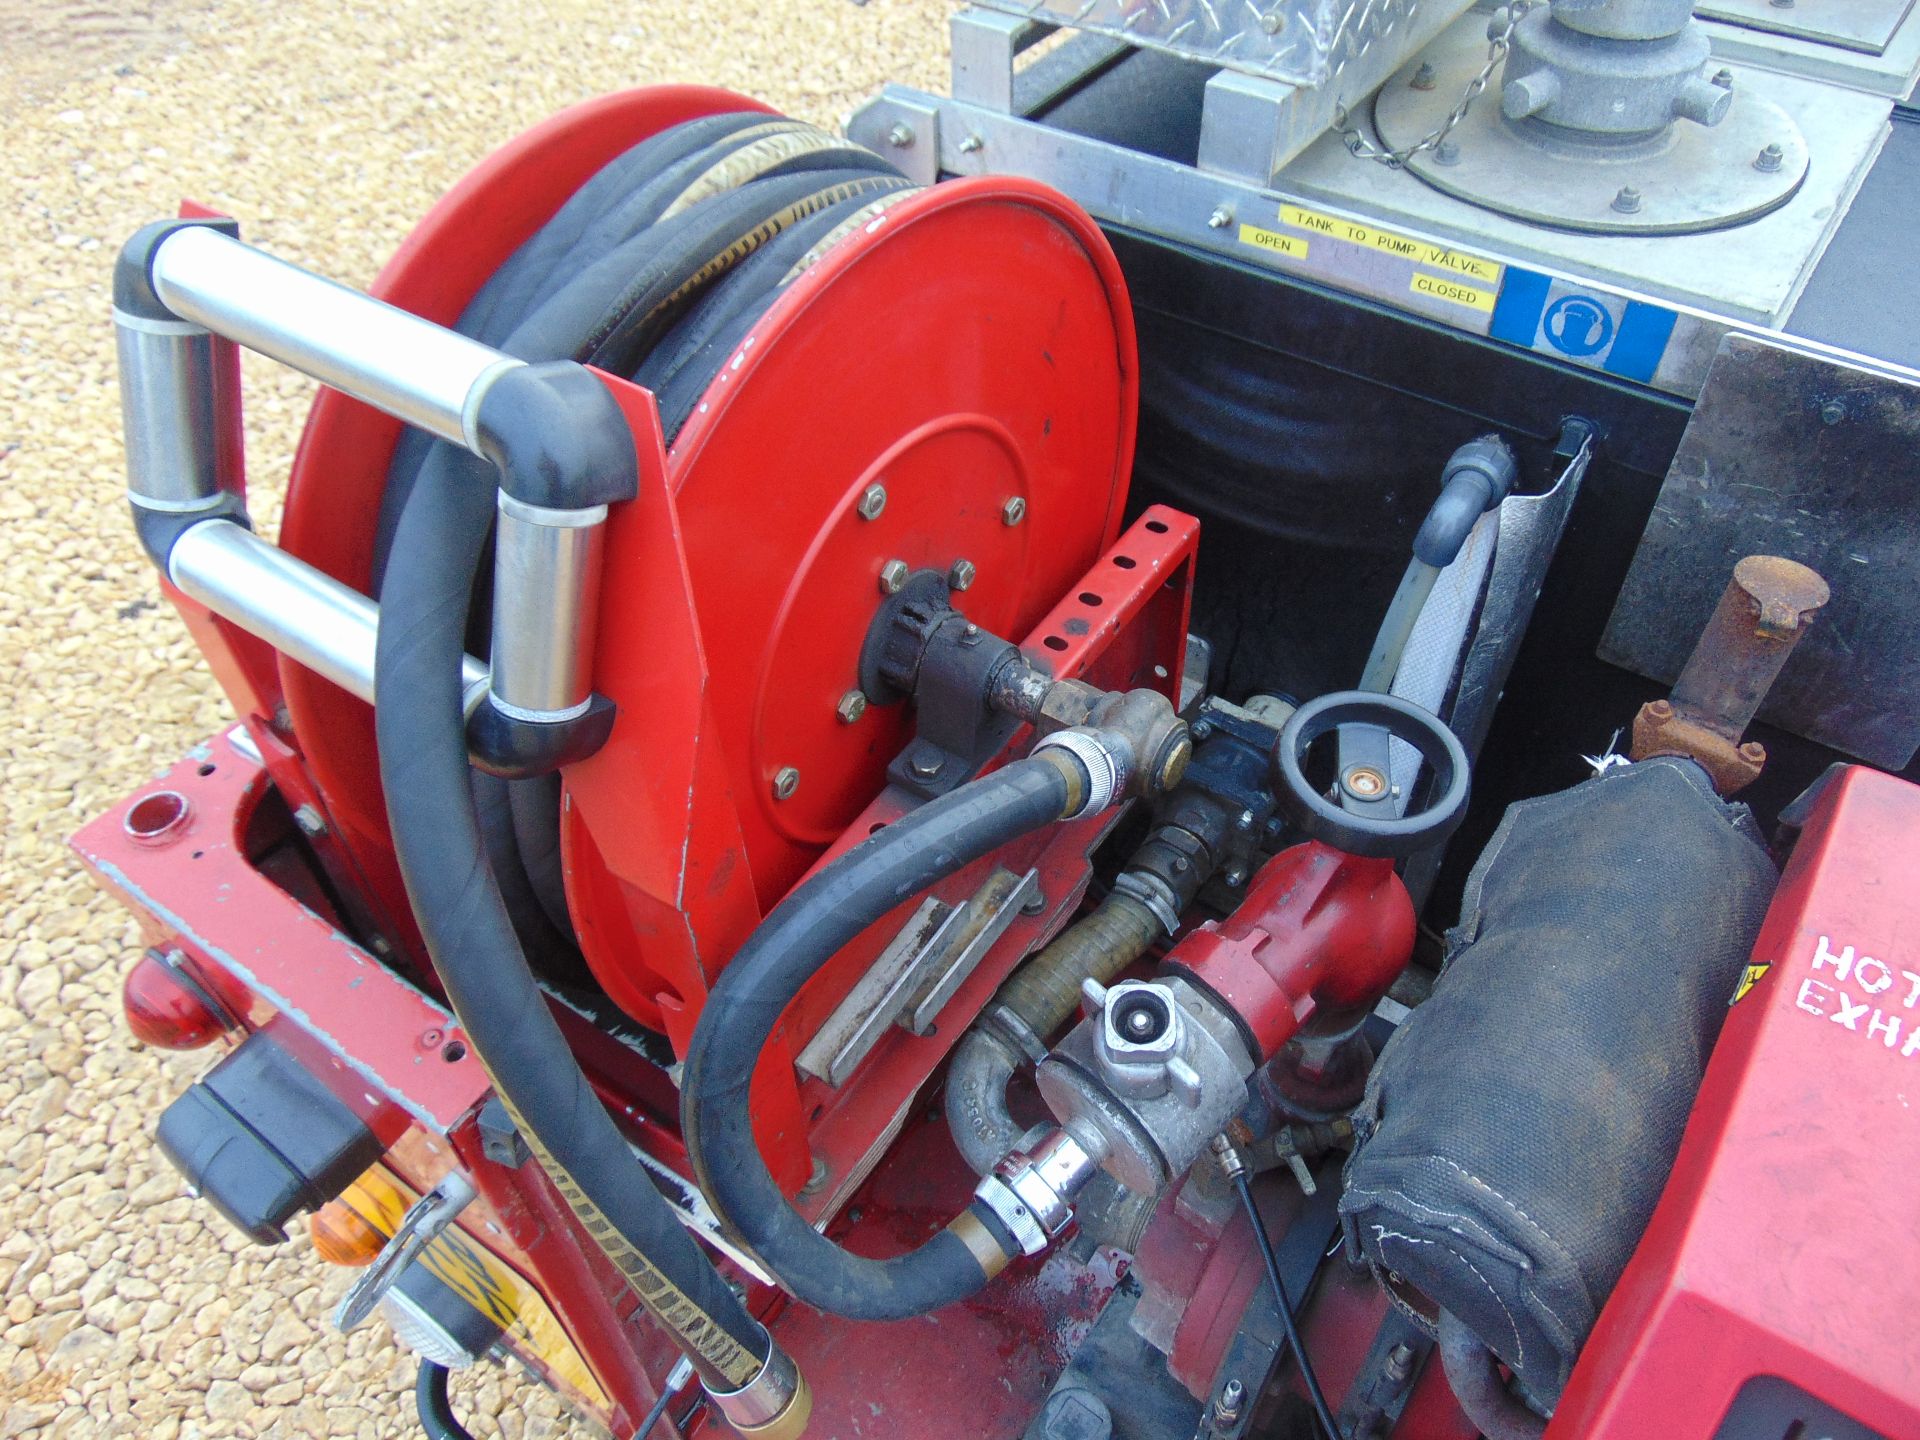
(1368,826)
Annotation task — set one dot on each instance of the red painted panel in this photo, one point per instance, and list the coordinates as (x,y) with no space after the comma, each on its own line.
(1788,1240)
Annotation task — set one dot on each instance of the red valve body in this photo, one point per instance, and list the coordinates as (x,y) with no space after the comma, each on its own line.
(1317,941)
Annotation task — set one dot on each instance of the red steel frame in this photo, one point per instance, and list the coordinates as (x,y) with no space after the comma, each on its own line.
(397,1056)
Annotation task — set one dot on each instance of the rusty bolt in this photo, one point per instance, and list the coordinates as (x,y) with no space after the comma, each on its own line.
(873,500)
(893,575)
(1423,78)
(1753,750)
(961,576)
(1014,511)
(1660,709)
(1226,1406)
(786,780)
(852,706)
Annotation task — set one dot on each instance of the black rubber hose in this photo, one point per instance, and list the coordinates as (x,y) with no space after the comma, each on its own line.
(804,931)
(1474,1378)
(424,773)
(436,1411)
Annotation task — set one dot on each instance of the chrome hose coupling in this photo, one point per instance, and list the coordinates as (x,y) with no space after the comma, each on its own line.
(1102,759)
(775,1405)
(1031,1192)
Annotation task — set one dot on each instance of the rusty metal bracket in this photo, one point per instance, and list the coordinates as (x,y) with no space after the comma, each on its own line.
(1763,613)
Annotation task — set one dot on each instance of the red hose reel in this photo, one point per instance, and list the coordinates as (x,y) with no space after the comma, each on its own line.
(968,356)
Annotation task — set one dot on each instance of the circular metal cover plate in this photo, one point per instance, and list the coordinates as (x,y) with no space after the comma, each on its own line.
(1693,178)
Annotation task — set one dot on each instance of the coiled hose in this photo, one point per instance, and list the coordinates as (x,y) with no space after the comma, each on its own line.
(621,277)
(804,931)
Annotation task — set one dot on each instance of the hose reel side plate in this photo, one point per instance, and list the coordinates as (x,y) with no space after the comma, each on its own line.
(970,347)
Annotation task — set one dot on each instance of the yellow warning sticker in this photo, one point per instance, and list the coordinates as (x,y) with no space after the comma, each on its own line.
(1294,247)
(1456,291)
(1421,252)
(1749,978)
(482,1279)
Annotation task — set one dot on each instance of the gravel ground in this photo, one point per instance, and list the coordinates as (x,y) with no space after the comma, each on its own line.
(129,1309)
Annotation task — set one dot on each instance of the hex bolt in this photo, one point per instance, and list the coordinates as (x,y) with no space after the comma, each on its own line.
(1236,876)
(1220,219)
(786,780)
(900,135)
(852,706)
(1014,511)
(1399,1363)
(1627,202)
(961,576)
(1036,904)
(971,144)
(1226,1405)
(1447,152)
(873,500)
(1723,77)
(1274,21)
(1770,159)
(310,821)
(926,763)
(1423,78)
(893,575)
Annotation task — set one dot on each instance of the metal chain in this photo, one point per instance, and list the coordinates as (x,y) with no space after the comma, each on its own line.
(1498,43)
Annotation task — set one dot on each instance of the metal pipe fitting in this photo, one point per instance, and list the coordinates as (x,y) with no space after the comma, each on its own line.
(305,614)
(1031,1193)
(411,368)
(775,1405)
(546,584)
(176,380)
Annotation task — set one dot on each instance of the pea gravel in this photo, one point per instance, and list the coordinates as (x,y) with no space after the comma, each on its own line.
(126,1308)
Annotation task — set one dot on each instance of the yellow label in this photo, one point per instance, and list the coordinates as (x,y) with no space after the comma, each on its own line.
(1749,978)
(1457,292)
(1294,247)
(483,1280)
(1421,252)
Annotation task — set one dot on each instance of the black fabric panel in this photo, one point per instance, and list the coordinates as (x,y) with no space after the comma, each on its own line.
(1518,1129)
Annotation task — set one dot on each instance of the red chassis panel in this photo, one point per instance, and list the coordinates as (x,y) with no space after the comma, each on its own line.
(399,1058)
(1778,1277)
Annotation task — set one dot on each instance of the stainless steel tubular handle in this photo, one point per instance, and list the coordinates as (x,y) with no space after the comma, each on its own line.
(188,292)
(302,612)
(411,368)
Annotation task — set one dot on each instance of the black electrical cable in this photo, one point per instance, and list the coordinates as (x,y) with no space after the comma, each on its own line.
(653,1414)
(436,1411)
(804,931)
(1285,1307)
